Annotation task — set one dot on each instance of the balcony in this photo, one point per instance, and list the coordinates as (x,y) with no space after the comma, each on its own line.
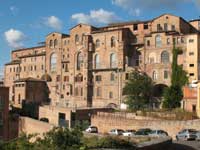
(103,67)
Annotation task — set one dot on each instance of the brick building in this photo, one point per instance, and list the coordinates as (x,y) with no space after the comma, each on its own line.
(90,66)
(4,112)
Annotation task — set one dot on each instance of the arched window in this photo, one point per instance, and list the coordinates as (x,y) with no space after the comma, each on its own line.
(55,42)
(79,61)
(97,43)
(113,60)
(97,61)
(113,41)
(158,41)
(50,43)
(148,42)
(76,38)
(53,62)
(112,77)
(165,57)
(154,75)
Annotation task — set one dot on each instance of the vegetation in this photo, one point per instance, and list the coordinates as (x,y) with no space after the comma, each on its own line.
(138,90)
(64,139)
(173,94)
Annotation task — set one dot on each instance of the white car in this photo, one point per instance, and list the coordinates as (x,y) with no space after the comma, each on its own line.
(158,133)
(198,136)
(116,132)
(92,129)
(129,133)
(186,134)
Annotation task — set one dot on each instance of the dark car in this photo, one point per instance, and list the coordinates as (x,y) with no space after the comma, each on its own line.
(144,131)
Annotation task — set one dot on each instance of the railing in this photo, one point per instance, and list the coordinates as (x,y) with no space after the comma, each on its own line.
(100,66)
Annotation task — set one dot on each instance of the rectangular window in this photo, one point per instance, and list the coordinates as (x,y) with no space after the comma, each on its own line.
(165,74)
(191,40)
(66,78)
(191,65)
(135,27)
(146,26)
(98,78)
(191,74)
(159,28)
(126,76)
(58,78)
(191,53)
(110,95)
(98,92)
(173,28)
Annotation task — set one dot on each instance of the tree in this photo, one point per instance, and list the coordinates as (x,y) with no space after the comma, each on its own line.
(138,90)
(174,94)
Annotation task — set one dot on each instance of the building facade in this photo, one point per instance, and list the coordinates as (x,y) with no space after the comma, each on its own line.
(90,66)
(4,112)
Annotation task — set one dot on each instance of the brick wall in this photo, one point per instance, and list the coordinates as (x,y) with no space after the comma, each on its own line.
(107,121)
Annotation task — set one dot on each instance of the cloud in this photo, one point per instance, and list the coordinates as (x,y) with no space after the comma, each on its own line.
(100,16)
(53,22)
(14,10)
(14,38)
(136,6)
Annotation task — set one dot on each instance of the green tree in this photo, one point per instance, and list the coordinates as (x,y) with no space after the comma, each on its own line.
(138,90)
(174,94)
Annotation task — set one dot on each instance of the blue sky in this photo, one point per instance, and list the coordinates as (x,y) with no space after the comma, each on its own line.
(24,23)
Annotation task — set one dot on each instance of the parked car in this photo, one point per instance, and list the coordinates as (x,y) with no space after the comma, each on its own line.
(129,133)
(198,136)
(186,134)
(116,132)
(144,131)
(92,129)
(158,133)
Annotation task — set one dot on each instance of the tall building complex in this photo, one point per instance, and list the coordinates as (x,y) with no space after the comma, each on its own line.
(90,66)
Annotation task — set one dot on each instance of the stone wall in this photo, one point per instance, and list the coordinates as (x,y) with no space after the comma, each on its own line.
(32,126)
(107,121)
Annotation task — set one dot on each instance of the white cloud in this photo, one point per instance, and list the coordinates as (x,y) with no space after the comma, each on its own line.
(100,16)
(14,10)
(53,22)
(14,38)
(136,6)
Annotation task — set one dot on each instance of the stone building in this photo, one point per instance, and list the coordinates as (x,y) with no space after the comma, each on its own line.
(89,67)
(4,112)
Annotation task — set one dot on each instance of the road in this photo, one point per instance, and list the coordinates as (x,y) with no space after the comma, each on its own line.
(185,145)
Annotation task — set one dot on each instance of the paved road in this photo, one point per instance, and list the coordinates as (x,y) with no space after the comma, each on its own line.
(185,145)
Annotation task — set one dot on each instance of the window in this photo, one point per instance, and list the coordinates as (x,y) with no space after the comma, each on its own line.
(19,99)
(35,68)
(98,43)
(81,91)
(165,74)
(24,68)
(97,61)
(166,27)
(76,38)
(168,41)
(148,42)
(165,57)
(79,61)
(98,78)
(127,76)
(98,92)
(112,77)
(79,78)
(159,28)
(53,62)
(50,43)
(42,67)
(66,78)
(135,40)
(191,65)
(182,40)
(55,42)
(191,74)
(76,91)
(173,27)
(113,60)
(58,78)
(191,53)
(135,27)
(178,40)
(158,41)
(110,95)
(154,75)
(191,40)
(146,26)
(113,41)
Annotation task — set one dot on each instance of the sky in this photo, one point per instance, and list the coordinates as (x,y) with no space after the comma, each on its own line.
(25,23)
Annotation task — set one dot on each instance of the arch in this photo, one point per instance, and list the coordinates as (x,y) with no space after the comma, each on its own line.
(55,42)
(97,61)
(164,57)
(158,90)
(79,60)
(98,43)
(152,58)
(76,38)
(113,41)
(53,62)
(154,75)
(158,41)
(113,60)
